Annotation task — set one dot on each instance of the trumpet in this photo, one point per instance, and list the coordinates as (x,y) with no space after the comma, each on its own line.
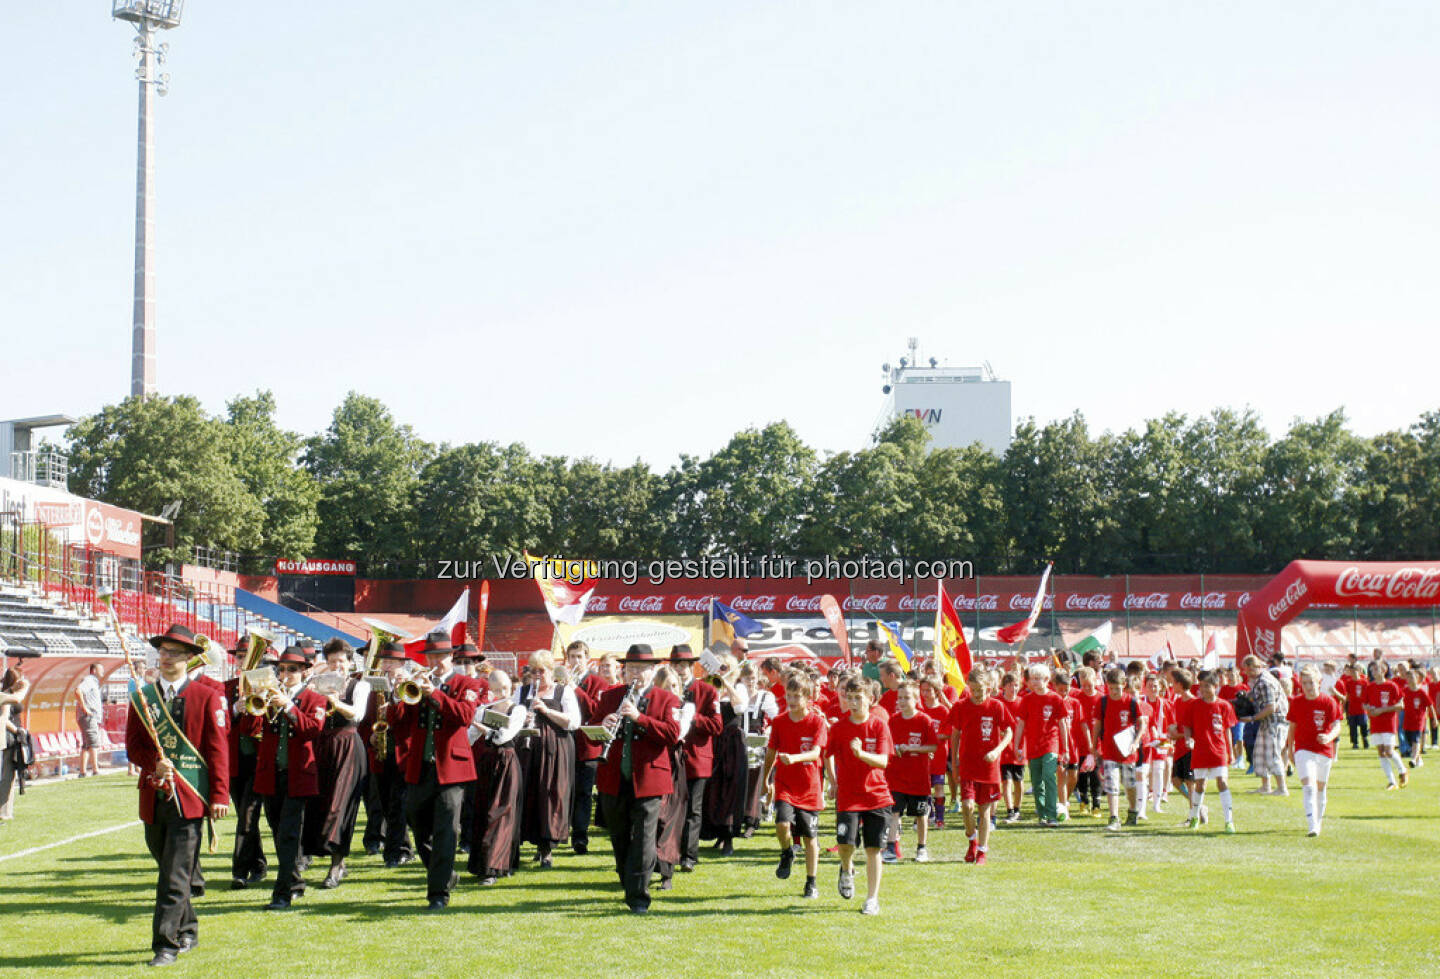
(407,689)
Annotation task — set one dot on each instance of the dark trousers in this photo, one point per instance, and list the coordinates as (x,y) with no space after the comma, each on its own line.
(1087,787)
(286,816)
(467,813)
(632,824)
(582,802)
(248,857)
(374,837)
(432,811)
(694,811)
(174,842)
(1359,724)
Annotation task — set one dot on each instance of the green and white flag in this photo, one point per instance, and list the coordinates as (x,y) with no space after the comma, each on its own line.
(1099,639)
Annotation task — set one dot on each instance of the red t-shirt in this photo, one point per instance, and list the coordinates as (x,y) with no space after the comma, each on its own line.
(1011,754)
(799,784)
(858,787)
(980,726)
(1161,715)
(1229,690)
(1354,694)
(1383,694)
(887,702)
(1042,714)
(1120,712)
(940,714)
(1311,718)
(1179,714)
(910,772)
(1417,702)
(1210,725)
(1079,729)
(778,692)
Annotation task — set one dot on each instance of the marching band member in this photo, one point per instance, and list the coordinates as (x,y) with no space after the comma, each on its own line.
(699,745)
(179,788)
(495,831)
(467,663)
(285,770)
(548,759)
(341,761)
(438,763)
(247,861)
(725,794)
(671,824)
(588,685)
(385,829)
(635,774)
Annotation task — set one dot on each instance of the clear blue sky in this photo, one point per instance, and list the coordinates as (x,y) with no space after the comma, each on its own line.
(630,229)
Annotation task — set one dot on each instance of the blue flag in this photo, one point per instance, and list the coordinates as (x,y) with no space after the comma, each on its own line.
(726,623)
(899,648)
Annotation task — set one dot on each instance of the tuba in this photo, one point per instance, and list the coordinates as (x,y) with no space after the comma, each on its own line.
(256,641)
(381,632)
(209,654)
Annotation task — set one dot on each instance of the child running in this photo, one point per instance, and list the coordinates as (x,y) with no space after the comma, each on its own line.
(857,753)
(1207,725)
(1382,705)
(1118,711)
(1418,709)
(797,739)
(917,740)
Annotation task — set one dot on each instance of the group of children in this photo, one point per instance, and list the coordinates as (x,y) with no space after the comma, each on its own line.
(885,750)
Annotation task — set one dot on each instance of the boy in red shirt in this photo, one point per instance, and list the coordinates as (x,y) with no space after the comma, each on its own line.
(1043,729)
(1088,785)
(1118,712)
(933,702)
(916,741)
(1208,721)
(1012,768)
(1181,778)
(1157,749)
(980,732)
(1382,705)
(1352,687)
(1314,729)
(797,740)
(857,753)
(1069,774)
(1418,709)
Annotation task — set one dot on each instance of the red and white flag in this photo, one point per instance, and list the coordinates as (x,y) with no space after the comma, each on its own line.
(452,624)
(1211,659)
(1021,630)
(565,600)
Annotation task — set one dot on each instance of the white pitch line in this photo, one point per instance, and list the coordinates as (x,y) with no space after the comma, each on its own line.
(73,839)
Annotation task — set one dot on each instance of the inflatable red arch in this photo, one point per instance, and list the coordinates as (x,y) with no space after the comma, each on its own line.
(1372,584)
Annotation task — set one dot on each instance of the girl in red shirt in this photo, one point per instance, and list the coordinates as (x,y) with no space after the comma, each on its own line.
(1314,727)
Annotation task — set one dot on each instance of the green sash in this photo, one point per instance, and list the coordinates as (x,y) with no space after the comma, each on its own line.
(190,768)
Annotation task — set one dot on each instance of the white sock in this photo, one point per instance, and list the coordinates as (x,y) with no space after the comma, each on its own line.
(1308,793)
(1322,792)
(1197,800)
(1225,801)
(1385,767)
(972,837)
(1141,797)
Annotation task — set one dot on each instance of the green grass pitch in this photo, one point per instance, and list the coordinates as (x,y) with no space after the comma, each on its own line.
(1077,901)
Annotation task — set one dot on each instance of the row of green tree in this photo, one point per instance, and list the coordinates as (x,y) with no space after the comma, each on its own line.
(1207,494)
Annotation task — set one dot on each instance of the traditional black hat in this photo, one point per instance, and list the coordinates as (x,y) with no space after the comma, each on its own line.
(177,633)
(640,653)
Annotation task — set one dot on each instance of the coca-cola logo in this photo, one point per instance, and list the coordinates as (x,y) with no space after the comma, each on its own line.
(1294,591)
(1207,600)
(909,603)
(865,603)
(1418,583)
(1025,601)
(1243,600)
(689,603)
(598,603)
(1264,642)
(760,603)
(1153,600)
(650,603)
(980,603)
(1088,603)
(797,603)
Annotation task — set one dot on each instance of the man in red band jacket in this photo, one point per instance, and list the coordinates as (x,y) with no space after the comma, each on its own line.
(636,773)
(438,763)
(170,808)
(699,747)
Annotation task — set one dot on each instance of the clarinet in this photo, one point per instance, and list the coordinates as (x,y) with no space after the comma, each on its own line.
(632,695)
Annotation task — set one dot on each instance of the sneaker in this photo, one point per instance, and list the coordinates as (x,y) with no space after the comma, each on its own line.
(1204,815)
(922,855)
(1050,823)
(1313,832)
(971,851)
(846,885)
(1131,820)
(787,858)
(1391,787)
(1096,812)
(811,891)
(1192,823)
(887,855)
(1404,778)
(1142,817)
(1114,826)
(871,906)
(1229,829)
(979,858)
(1013,816)
(1159,807)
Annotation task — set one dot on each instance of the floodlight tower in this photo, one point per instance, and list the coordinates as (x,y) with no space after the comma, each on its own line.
(148,16)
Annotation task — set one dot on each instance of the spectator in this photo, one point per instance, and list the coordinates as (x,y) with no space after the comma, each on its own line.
(89,711)
(13,689)
(1377,668)
(1271,708)
(874,651)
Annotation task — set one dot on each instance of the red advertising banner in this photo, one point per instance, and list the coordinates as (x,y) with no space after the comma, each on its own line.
(110,528)
(309,567)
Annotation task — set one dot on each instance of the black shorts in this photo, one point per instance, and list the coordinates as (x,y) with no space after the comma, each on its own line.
(1012,773)
(1182,768)
(868,827)
(911,805)
(803,822)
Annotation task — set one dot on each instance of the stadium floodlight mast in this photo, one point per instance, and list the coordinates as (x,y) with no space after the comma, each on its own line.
(148,16)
